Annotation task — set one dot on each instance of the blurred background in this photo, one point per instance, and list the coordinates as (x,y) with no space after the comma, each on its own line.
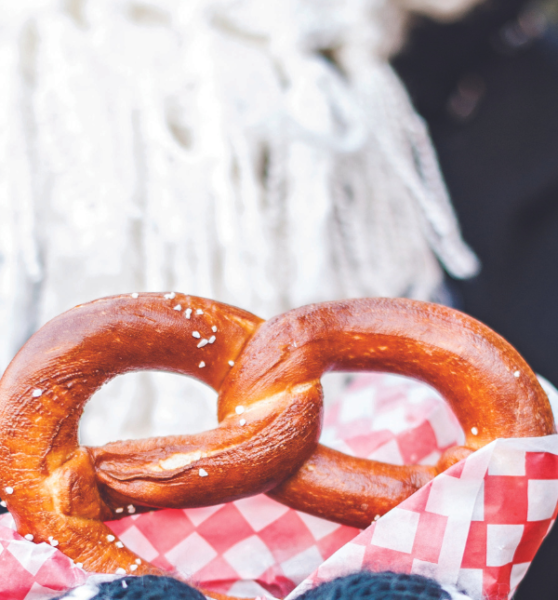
(487,86)
(488,89)
(275,154)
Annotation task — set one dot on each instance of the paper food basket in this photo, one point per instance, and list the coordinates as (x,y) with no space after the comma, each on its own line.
(477,526)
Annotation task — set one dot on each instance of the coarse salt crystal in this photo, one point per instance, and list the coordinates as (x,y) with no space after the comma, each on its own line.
(120,571)
(37,393)
(474,430)
(214,329)
(203,343)
(9,490)
(119,545)
(170,296)
(133,567)
(29,536)
(178,307)
(52,541)
(212,339)
(517,374)
(134,295)
(201,365)
(199,311)
(188,313)
(203,473)
(110,538)
(131,509)
(196,334)
(231,363)
(239,410)
(119,510)
(243,422)
(138,561)
(2,503)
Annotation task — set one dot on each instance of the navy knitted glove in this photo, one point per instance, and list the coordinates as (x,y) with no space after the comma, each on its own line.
(148,587)
(378,586)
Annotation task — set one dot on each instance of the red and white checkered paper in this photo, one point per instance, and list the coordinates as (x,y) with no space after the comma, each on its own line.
(477,526)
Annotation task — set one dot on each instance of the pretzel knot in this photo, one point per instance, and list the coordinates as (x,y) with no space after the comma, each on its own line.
(267,375)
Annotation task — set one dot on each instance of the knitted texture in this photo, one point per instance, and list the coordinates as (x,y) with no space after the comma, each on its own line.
(359,586)
(378,586)
(149,587)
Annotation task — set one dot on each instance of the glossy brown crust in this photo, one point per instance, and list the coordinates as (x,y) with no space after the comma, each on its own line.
(42,394)
(352,491)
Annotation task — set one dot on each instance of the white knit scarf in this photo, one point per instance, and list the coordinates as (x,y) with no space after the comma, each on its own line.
(259,153)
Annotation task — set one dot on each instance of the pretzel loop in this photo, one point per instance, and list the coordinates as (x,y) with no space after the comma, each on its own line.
(490,388)
(50,483)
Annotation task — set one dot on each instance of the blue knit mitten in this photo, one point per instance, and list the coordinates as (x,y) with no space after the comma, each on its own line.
(378,586)
(148,587)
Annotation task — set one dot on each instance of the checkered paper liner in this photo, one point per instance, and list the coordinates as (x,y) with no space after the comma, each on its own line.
(477,526)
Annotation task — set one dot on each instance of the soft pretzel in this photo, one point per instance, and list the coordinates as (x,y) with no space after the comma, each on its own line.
(490,388)
(269,409)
